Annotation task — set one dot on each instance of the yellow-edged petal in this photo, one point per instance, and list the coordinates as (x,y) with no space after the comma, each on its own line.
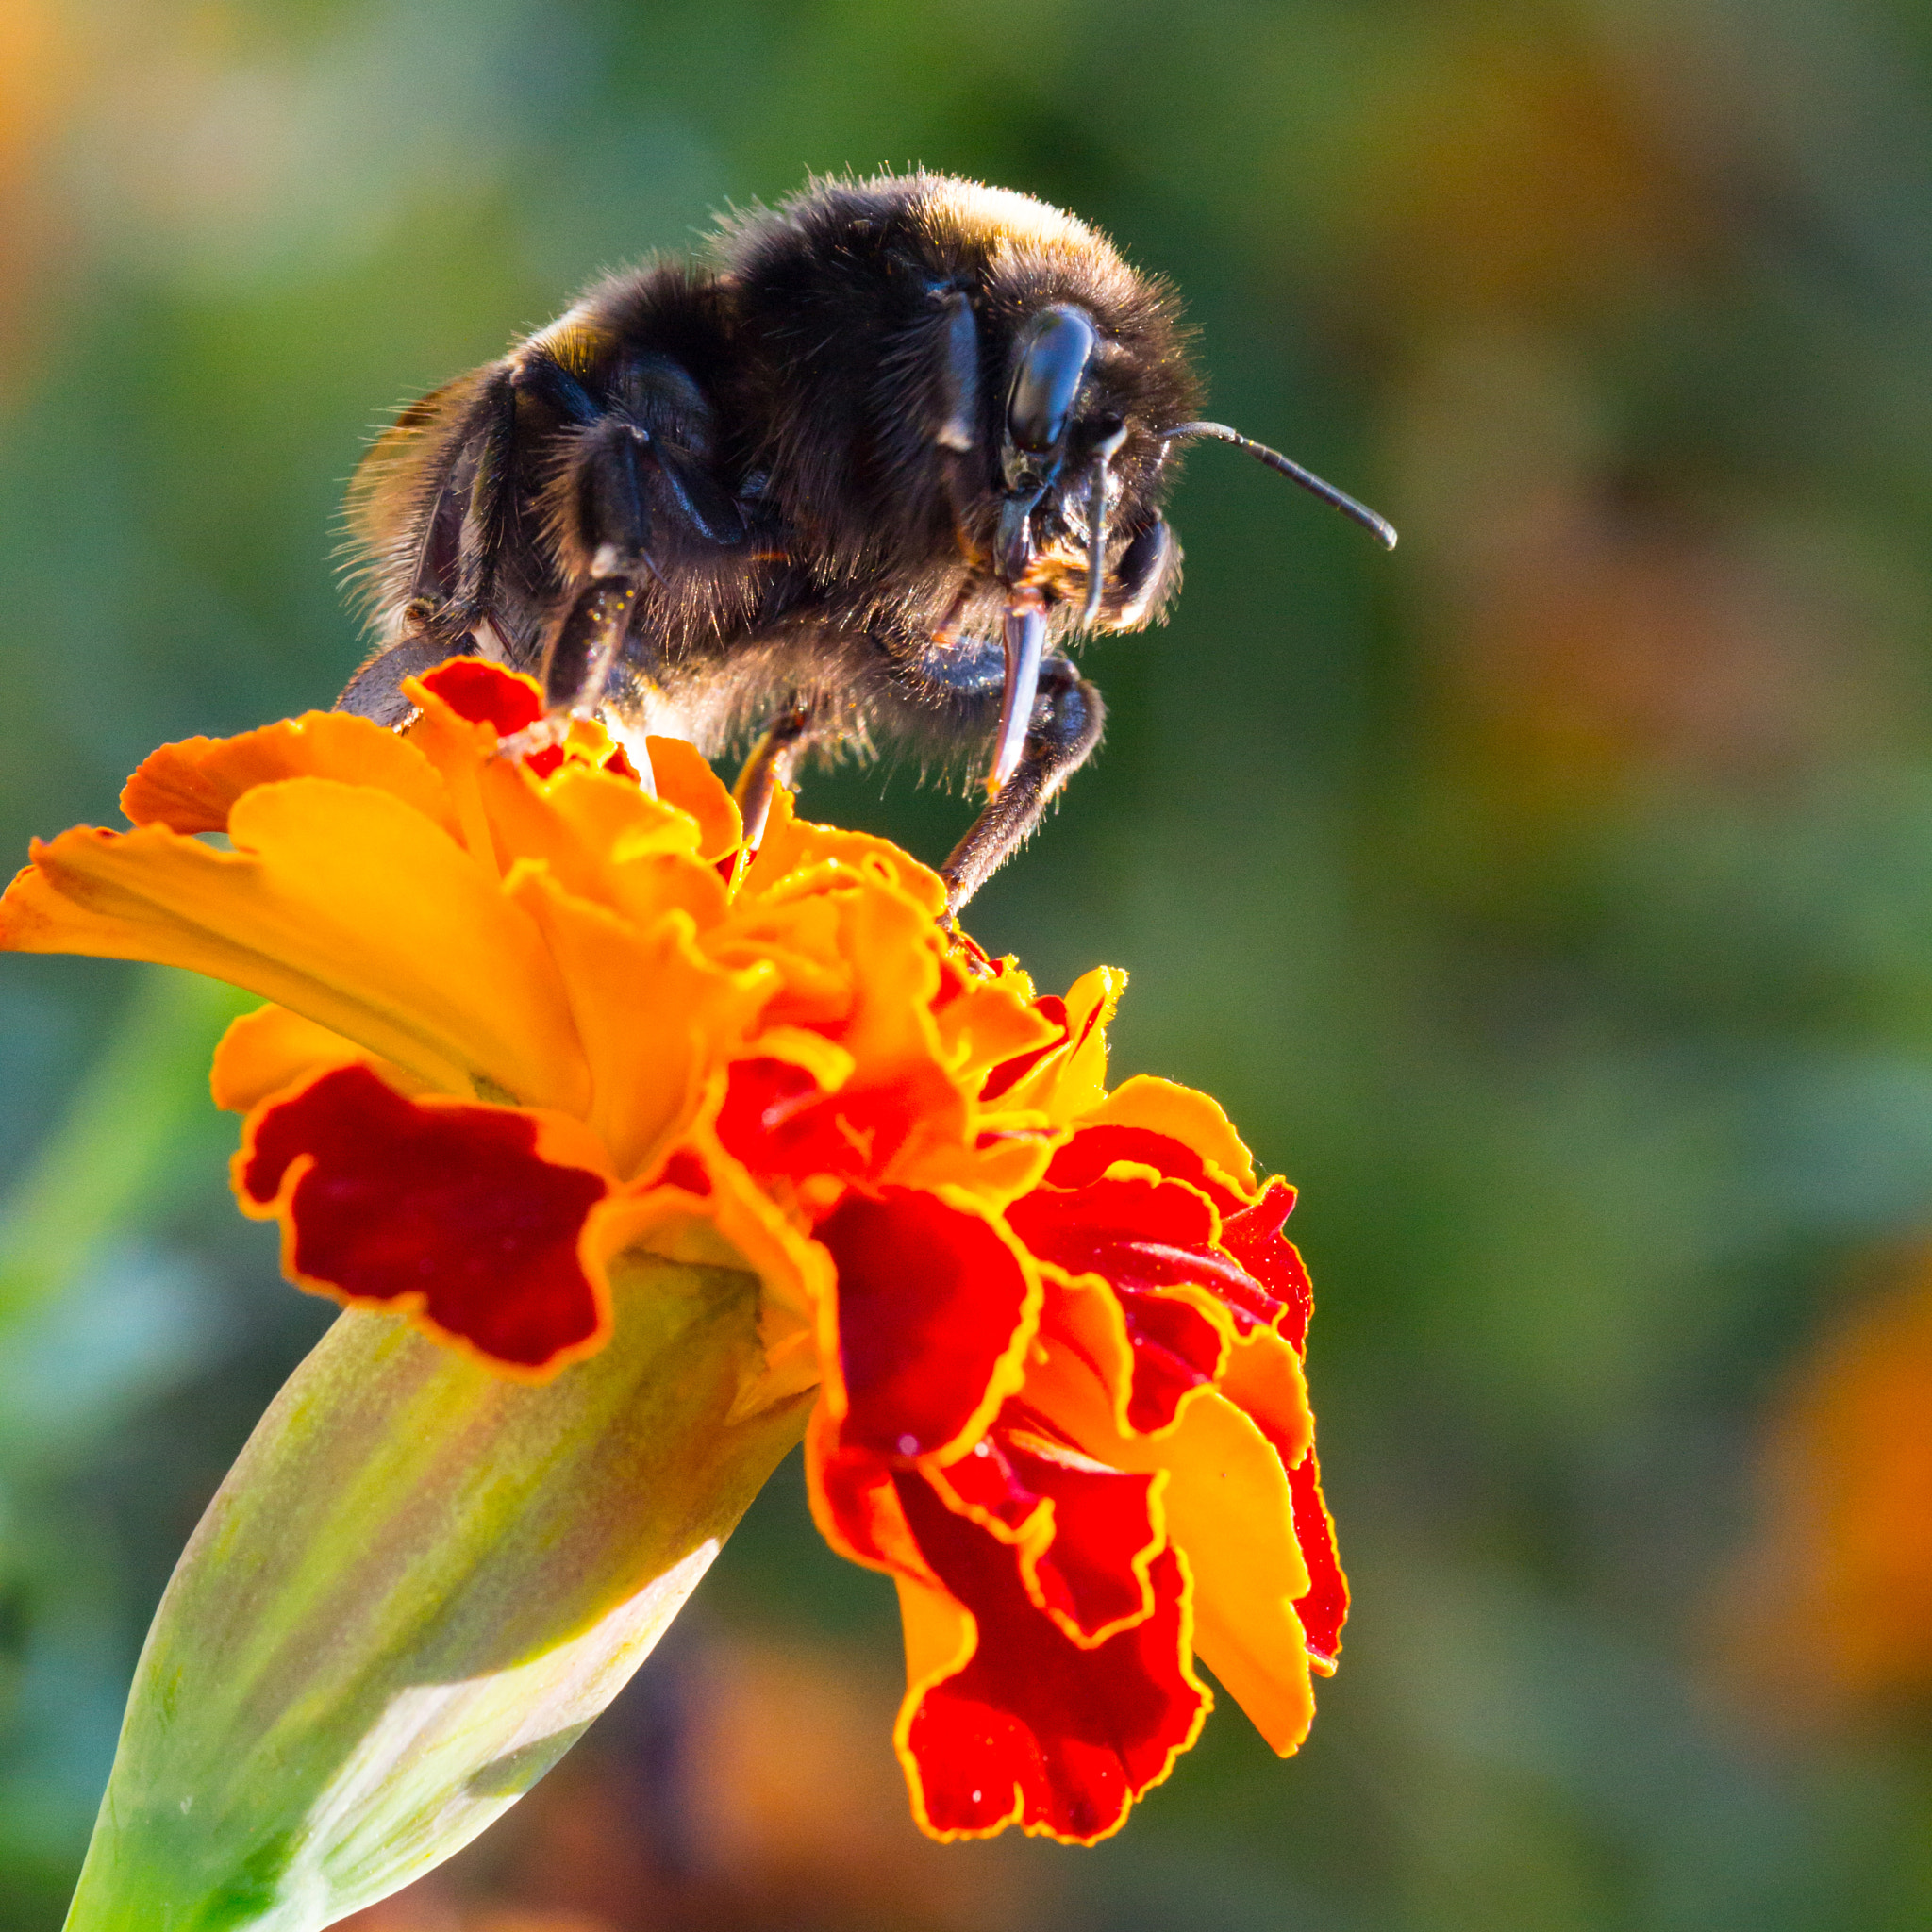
(987,1023)
(1073,1082)
(1187,1116)
(1226,1501)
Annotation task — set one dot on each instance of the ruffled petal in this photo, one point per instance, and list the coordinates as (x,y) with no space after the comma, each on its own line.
(340,903)
(1032,1728)
(928,1331)
(462,1215)
(192,785)
(654,1015)
(1152,1243)
(1183,1114)
(1086,1533)
(1228,1507)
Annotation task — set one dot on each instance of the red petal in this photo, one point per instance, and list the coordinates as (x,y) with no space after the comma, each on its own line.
(685,1170)
(1254,1237)
(777,1121)
(1090,1574)
(1035,1728)
(442,1208)
(1324,1608)
(1175,1349)
(985,1483)
(1139,1237)
(545,759)
(486,693)
(934,1314)
(857,1506)
(1093,1576)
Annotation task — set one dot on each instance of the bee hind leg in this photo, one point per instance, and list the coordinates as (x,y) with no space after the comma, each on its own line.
(1065,726)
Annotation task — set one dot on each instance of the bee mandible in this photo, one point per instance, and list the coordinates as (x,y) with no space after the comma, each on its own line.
(862,475)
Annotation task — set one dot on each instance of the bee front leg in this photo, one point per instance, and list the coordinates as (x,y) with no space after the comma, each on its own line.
(1065,726)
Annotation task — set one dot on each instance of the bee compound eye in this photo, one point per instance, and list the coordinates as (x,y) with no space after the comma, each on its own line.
(1051,362)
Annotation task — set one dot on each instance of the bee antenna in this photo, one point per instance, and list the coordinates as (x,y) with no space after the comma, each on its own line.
(1379,527)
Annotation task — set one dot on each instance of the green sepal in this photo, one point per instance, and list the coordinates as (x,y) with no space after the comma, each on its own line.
(418,1584)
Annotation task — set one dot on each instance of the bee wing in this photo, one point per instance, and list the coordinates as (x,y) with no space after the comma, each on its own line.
(399,501)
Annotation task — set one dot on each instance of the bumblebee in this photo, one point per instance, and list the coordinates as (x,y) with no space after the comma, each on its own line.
(864,474)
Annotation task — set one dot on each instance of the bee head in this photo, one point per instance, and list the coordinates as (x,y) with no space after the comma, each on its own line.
(1062,430)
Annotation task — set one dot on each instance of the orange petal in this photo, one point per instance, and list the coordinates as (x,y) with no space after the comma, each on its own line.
(582,824)
(793,846)
(654,1015)
(192,785)
(272,1048)
(338,902)
(684,779)
(1230,1513)
(1265,1379)
(985,1023)
(1227,1501)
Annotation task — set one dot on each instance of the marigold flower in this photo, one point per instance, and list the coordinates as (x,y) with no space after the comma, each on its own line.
(540,1028)
(1826,1613)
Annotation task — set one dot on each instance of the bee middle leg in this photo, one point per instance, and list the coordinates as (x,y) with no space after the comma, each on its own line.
(1066,725)
(767,766)
(608,504)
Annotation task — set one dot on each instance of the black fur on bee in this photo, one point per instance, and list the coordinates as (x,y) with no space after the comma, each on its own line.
(862,475)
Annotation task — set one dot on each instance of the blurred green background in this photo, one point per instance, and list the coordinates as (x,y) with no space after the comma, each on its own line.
(1552,901)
